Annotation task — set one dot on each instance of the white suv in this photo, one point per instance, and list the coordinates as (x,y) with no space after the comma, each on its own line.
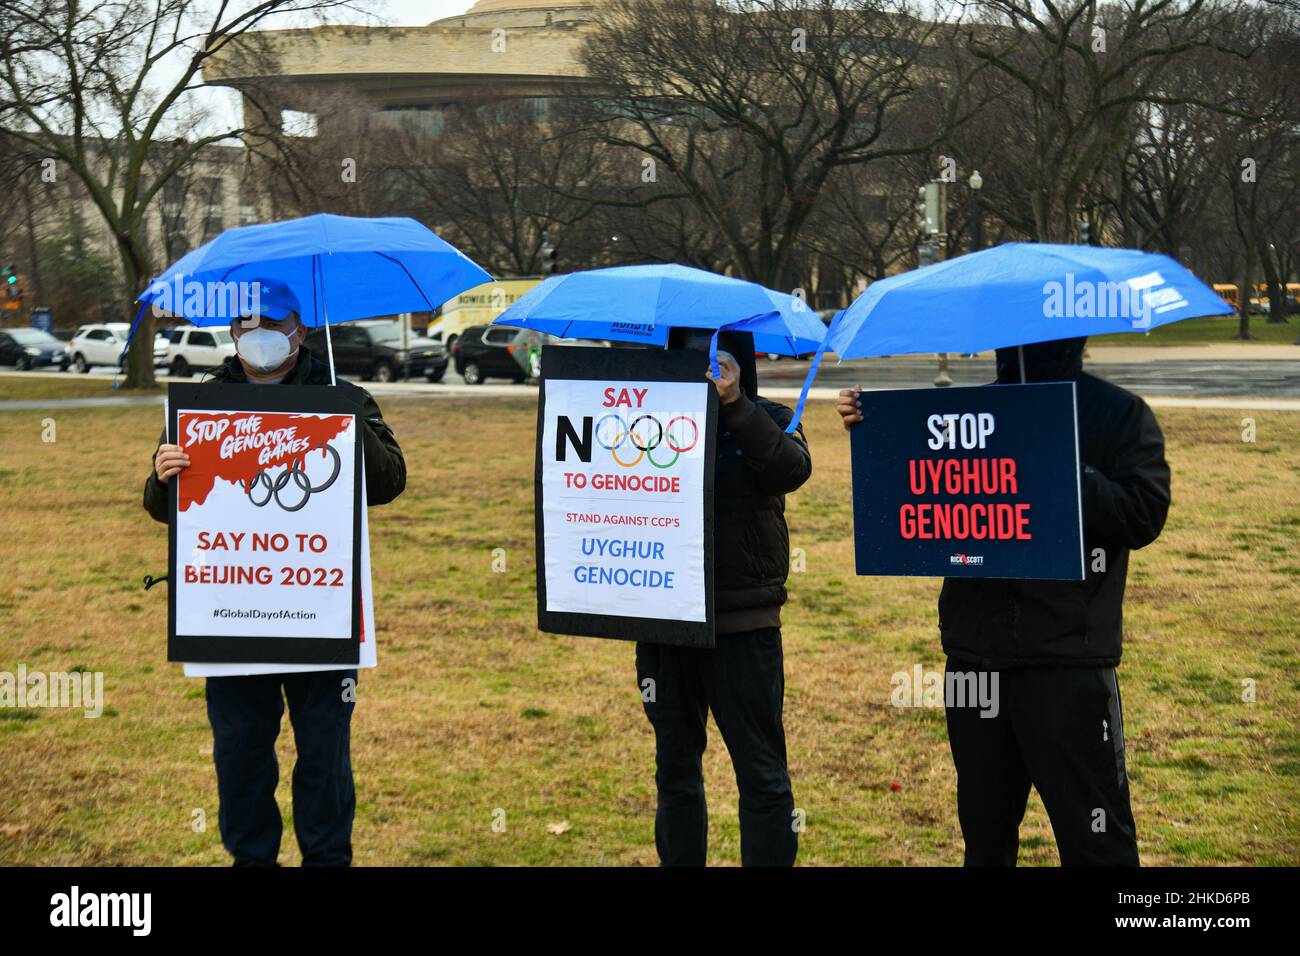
(98,345)
(103,344)
(196,349)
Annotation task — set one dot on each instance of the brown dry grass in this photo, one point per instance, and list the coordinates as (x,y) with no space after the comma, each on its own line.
(472,709)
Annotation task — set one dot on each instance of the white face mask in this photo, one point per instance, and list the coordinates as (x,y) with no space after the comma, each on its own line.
(263,349)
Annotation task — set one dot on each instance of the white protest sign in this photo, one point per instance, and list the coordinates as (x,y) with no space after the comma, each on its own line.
(622,495)
(265,530)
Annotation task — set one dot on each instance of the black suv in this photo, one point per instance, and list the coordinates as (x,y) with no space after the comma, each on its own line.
(498,351)
(372,348)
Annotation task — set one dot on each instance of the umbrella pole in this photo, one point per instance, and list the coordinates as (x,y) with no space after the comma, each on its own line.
(329,342)
(1020,351)
(329,348)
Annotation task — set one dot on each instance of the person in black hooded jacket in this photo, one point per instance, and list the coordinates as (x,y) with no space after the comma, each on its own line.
(1054,645)
(742,678)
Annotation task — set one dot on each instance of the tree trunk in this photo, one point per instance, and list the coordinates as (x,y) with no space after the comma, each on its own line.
(1243,300)
(139,357)
(1276,288)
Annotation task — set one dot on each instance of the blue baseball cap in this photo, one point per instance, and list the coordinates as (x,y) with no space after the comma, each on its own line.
(275,300)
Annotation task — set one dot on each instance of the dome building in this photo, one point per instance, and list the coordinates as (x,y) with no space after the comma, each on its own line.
(524,48)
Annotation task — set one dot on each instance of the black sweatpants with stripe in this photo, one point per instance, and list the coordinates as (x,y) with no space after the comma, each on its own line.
(1060,730)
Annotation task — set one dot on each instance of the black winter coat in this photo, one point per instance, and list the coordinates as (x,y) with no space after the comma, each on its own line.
(384,464)
(758,464)
(1000,623)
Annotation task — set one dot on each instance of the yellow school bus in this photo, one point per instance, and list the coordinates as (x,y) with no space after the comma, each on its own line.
(477,306)
(1227,292)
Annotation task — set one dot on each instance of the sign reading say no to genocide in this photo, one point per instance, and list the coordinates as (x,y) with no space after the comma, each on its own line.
(969,482)
(265,538)
(624,492)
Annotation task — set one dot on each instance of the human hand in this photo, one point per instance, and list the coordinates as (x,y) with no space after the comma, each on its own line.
(728,384)
(849,407)
(170,460)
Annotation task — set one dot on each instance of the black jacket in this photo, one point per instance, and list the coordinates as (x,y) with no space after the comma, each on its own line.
(385,466)
(758,464)
(999,623)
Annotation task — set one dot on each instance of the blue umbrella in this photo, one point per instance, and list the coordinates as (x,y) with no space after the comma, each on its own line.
(337,267)
(1015,294)
(1019,293)
(641,303)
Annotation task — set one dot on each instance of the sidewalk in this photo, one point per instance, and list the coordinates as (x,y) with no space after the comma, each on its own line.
(1139,354)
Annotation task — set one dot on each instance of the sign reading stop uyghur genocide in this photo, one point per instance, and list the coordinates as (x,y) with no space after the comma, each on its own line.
(265,525)
(969,482)
(624,495)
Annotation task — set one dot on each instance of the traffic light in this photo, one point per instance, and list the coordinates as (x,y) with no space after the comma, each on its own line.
(13,296)
(547,254)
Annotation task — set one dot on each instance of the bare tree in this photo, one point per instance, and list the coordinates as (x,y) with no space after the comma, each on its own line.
(97,85)
(745,109)
(506,178)
(1078,74)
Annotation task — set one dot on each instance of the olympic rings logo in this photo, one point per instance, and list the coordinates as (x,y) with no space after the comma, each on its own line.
(295,473)
(646,434)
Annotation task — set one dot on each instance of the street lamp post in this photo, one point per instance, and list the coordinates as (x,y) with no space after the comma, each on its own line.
(976,214)
(934,218)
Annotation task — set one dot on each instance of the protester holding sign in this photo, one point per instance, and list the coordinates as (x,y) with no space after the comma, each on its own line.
(1054,645)
(245,711)
(742,677)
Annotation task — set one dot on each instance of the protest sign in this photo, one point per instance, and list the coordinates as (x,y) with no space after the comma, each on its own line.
(624,495)
(369,654)
(969,482)
(265,526)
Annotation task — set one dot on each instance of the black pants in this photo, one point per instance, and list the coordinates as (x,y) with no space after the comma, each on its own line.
(1061,730)
(245,715)
(743,680)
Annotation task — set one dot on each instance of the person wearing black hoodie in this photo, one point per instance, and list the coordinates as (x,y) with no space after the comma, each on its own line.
(742,678)
(1055,644)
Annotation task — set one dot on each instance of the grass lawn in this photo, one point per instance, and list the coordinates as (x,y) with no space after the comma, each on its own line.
(23,387)
(473,710)
(1212,331)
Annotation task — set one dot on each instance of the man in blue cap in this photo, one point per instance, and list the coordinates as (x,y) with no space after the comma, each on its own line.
(245,712)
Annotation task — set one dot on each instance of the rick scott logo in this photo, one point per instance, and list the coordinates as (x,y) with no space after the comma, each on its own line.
(968,559)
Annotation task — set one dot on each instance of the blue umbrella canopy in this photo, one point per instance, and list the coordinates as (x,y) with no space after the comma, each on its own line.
(641,303)
(337,267)
(1016,294)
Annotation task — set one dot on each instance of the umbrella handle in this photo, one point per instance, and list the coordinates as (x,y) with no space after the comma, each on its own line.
(125,348)
(807,386)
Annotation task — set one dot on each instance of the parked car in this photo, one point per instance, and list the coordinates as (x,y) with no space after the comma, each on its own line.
(98,345)
(28,348)
(193,349)
(497,351)
(372,348)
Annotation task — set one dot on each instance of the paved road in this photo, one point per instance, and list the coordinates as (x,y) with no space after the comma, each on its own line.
(1193,379)
(1155,377)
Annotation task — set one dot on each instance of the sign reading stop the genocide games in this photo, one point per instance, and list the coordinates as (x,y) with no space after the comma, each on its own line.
(264,532)
(624,495)
(969,482)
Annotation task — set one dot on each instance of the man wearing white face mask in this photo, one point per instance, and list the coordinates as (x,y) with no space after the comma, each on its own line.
(245,712)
